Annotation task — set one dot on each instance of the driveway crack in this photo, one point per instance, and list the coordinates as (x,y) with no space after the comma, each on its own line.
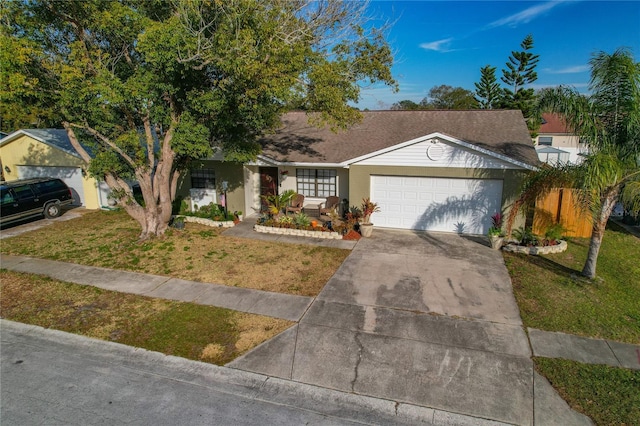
(357,366)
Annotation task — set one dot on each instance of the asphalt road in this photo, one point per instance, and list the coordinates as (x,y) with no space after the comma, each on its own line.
(49,377)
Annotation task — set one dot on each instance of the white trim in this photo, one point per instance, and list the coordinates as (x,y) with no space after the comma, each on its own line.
(15,135)
(438,135)
(263,160)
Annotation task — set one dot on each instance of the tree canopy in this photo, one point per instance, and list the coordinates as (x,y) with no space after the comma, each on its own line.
(145,87)
(441,97)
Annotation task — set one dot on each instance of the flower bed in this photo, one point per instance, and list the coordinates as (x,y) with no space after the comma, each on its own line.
(208,222)
(297,232)
(558,248)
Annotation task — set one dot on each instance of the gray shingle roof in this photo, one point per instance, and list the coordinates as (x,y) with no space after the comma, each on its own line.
(501,131)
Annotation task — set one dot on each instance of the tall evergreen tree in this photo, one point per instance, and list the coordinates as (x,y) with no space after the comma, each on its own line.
(521,71)
(488,92)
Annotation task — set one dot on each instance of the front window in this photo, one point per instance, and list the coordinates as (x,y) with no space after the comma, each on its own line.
(545,140)
(203,178)
(319,183)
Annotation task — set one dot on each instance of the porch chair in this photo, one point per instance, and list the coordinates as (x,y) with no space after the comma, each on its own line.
(331,204)
(296,205)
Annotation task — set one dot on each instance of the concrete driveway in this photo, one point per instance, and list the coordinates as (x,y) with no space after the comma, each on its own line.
(423,318)
(27,225)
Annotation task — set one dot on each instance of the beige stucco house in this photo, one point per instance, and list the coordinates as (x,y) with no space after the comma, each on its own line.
(446,171)
(48,153)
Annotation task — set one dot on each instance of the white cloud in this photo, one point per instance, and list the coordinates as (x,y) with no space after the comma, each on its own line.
(438,46)
(524,16)
(568,70)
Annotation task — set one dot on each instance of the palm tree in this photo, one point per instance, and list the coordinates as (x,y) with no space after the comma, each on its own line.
(608,120)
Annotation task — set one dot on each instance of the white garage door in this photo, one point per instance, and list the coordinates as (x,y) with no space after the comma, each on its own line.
(436,204)
(72,176)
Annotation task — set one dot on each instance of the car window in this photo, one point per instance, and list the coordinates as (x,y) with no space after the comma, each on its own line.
(50,185)
(6,197)
(23,191)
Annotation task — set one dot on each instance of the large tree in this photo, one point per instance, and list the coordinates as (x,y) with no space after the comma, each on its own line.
(608,120)
(143,87)
(406,104)
(449,97)
(521,71)
(488,93)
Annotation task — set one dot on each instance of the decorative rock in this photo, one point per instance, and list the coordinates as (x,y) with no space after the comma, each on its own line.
(208,222)
(559,248)
(296,232)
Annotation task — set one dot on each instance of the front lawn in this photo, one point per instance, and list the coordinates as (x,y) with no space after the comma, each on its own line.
(199,253)
(553,296)
(203,333)
(609,395)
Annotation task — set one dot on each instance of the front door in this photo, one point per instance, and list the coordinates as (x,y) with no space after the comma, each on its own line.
(268,184)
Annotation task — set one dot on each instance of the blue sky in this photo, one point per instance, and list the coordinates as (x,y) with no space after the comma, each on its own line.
(447,42)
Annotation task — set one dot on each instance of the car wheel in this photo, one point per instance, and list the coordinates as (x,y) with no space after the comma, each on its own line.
(52,211)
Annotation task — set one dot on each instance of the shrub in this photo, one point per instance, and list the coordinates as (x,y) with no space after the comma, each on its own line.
(301,220)
(526,237)
(555,232)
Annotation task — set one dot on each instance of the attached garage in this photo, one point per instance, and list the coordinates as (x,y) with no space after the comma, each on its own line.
(72,176)
(31,153)
(436,203)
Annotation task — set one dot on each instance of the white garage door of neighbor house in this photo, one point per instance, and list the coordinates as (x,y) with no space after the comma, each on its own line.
(72,176)
(436,204)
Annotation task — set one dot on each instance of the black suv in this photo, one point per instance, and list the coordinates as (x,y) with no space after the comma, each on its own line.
(27,198)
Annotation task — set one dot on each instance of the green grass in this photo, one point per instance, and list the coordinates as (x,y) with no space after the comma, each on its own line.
(553,296)
(609,395)
(188,330)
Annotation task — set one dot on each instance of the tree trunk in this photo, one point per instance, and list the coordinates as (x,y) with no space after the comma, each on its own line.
(157,179)
(599,227)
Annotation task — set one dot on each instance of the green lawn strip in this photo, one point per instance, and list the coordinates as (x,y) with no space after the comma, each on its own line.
(188,330)
(553,296)
(608,395)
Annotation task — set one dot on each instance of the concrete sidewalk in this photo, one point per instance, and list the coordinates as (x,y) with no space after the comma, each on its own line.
(545,344)
(275,305)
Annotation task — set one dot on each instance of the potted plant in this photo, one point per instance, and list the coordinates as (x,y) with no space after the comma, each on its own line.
(368,208)
(495,234)
(238,214)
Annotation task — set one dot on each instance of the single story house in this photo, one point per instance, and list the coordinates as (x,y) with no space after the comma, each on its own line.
(557,144)
(48,153)
(444,171)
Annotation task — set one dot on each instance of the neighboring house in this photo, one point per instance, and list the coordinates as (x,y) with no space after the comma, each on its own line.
(428,170)
(48,153)
(556,144)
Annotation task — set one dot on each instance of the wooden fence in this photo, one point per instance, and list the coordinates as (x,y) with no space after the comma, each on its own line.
(559,207)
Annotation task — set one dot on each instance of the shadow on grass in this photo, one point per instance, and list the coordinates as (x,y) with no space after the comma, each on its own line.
(553,267)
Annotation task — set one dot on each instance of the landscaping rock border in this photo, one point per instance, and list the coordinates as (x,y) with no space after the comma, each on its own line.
(208,222)
(558,248)
(297,232)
